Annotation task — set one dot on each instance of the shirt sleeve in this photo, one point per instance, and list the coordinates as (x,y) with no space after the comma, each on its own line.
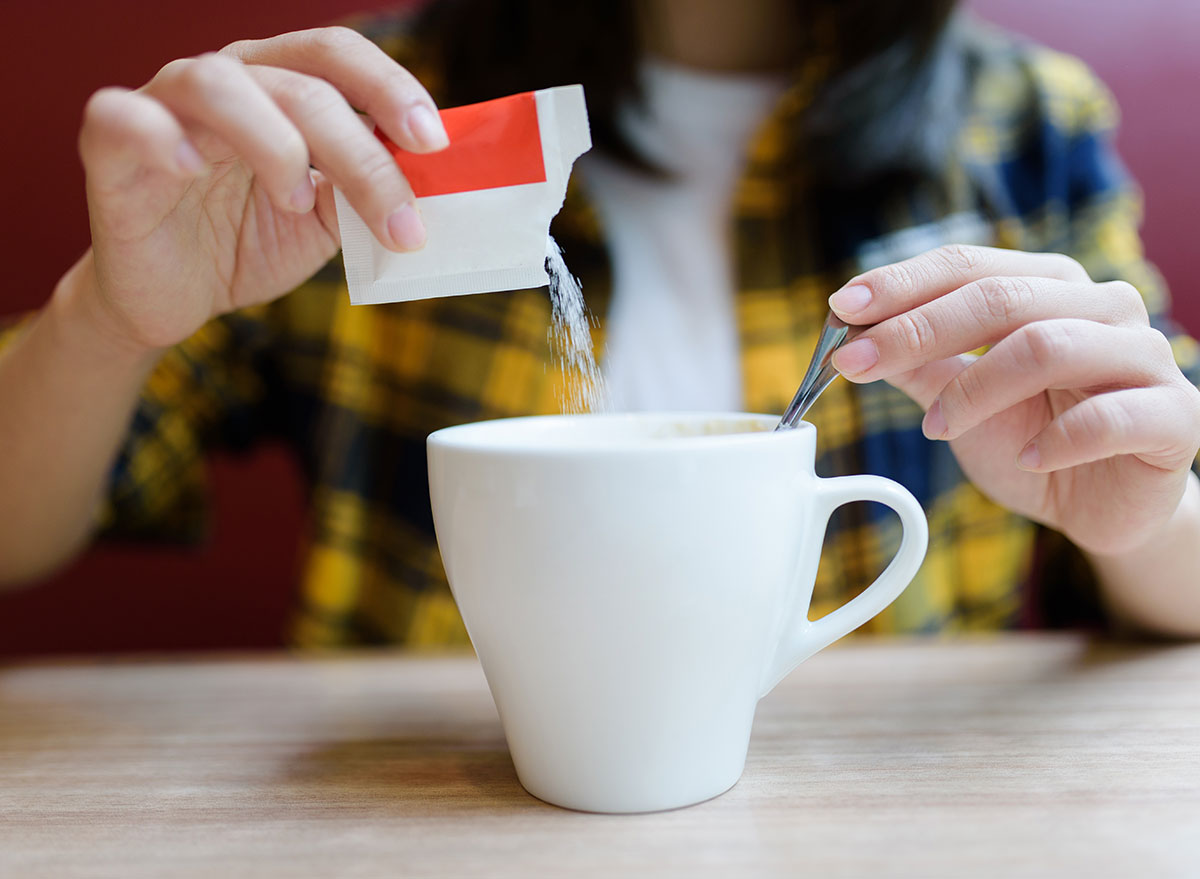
(209,392)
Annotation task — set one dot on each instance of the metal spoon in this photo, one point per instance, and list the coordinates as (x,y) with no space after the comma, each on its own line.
(821,373)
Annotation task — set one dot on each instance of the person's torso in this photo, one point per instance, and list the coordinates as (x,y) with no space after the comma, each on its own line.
(384,377)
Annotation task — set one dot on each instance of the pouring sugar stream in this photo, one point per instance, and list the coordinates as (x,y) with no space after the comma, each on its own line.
(487,201)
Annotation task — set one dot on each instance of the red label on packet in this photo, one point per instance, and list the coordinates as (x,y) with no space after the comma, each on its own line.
(492,144)
(504,177)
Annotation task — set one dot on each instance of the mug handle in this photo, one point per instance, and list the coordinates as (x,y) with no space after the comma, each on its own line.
(804,637)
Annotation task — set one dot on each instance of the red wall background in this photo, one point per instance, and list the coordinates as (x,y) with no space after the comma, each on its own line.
(234,592)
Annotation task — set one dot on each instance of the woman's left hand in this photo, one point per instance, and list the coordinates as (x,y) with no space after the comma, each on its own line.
(1077,416)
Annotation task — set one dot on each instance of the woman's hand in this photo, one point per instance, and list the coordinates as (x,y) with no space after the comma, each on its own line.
(1077,416)
(199,185)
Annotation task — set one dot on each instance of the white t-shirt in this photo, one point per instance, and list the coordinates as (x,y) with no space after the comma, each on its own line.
(672,339)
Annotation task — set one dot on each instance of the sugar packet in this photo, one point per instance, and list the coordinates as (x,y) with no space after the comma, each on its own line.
(487,200)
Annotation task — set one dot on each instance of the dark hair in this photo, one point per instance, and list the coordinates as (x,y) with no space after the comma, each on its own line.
(883,98)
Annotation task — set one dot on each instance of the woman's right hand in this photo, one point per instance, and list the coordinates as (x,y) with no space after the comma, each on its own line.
(199,186)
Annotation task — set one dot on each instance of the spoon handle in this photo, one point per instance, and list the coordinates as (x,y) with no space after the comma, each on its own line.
(821,373)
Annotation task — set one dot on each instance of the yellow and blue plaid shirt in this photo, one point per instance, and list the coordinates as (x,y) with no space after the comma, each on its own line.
(356,390)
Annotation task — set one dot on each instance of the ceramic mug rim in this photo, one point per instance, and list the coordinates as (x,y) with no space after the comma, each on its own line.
(573,435)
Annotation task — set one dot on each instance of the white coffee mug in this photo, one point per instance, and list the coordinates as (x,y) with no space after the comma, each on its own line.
(634,584)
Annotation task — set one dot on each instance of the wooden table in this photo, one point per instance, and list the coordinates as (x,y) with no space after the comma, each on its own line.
(1007,756)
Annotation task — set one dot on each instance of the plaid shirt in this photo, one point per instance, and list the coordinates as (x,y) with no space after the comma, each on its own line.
(356,390)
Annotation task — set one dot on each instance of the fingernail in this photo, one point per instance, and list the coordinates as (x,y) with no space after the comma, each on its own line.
(406,228)
(188,159)
(935,422)
(857,357)
(426,128)
(850,300)
(1030,458)
(303,197)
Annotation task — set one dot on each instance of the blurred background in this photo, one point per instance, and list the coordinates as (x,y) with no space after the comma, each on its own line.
(234,592)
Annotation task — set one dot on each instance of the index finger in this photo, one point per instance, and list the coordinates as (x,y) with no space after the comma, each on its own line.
(893,289)
(369,79)
(981,313)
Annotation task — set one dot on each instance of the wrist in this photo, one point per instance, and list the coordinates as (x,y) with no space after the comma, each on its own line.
(1182,524)
(78,316)
(1153,588)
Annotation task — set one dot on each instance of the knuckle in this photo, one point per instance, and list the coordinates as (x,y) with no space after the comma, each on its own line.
(100,103)
(289,150)
(960,258)
(899,278)
(376,178)
(1044,344)
(309,93)
(172,69)
(1186,401)
(1004,299)
(238,49)
(1066,267)
(1123,289)
(1077,432)
(1099,425)
(1191,403)
(96,117)
(1113,421)
(336,39)
(112,118)
(207,73)
(1161,351)
(964,396)
(1160,344)
(1132,305)
(913,331)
